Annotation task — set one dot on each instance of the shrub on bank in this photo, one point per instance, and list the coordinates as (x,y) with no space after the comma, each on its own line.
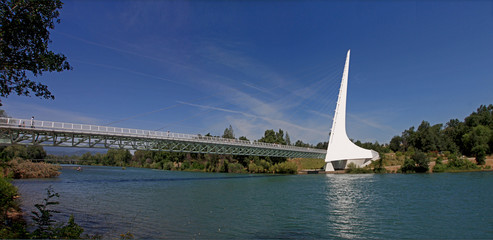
(352,168)
(284,167)
(236,168)
(10,227)
(418,163)
(454,164)
(458,163)
(19,168)
(408,166)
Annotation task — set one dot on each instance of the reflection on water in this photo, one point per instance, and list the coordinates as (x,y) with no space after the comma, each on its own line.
(347,198)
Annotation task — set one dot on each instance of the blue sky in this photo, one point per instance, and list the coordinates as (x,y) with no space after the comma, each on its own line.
(199,66)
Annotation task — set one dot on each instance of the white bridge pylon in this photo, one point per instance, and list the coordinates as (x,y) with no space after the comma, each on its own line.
(341,150)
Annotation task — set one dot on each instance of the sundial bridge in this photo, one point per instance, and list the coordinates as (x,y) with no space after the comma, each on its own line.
(340,152)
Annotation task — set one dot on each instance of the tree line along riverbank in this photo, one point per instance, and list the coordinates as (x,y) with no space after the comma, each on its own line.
(427,148)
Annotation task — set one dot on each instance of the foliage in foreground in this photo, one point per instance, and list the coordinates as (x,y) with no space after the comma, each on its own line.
(24,39)
(46,227)
(9,227)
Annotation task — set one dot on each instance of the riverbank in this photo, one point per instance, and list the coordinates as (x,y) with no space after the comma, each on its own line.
(391,164)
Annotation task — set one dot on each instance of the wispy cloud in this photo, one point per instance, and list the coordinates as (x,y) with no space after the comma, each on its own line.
(131,71)
(241,62)
(268,119)
(324,115)
(367,121)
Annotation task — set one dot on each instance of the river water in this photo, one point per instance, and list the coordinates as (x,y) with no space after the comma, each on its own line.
(166,204)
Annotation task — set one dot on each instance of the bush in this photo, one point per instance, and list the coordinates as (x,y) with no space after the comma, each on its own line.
(156,165)
(8,192)
(10,227)
(439,160)
(236,168)
(454,164)
(26,169)
(461,164)
(439,167)
(70,231)
(265,165)
(168,166)
(253,168)
(422,162)
(284,167)
(408,166)
(197,165)
(352,168)
(185,166)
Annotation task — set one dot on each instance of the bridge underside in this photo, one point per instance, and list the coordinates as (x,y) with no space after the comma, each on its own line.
(52,138)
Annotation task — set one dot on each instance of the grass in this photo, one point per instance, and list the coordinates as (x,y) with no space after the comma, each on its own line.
(308,163)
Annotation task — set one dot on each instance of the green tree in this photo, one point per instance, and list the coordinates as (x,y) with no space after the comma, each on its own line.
(300,143)
(428,137)
(280,137)
(409,138)
(288,139)
(24,39)
(3,113)
(322,145)
(408,166)
(482,116)
(35,152)
(454,130)
(243,138)
(396,144)
(477,141)
(14,151)
(229,133)
(422,162)
(269,136)
(120,157)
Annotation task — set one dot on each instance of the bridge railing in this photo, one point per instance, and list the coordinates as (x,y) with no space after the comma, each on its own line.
(107,130)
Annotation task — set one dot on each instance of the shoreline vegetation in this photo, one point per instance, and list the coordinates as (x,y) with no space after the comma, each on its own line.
(14,164)
(427,149)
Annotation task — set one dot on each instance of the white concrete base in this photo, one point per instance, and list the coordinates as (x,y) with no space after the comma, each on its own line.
(329,167)
(343,164)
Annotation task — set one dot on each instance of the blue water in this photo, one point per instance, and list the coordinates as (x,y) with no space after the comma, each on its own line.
(165,204)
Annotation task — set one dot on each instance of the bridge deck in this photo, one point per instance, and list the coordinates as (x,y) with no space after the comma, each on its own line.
(49,133)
